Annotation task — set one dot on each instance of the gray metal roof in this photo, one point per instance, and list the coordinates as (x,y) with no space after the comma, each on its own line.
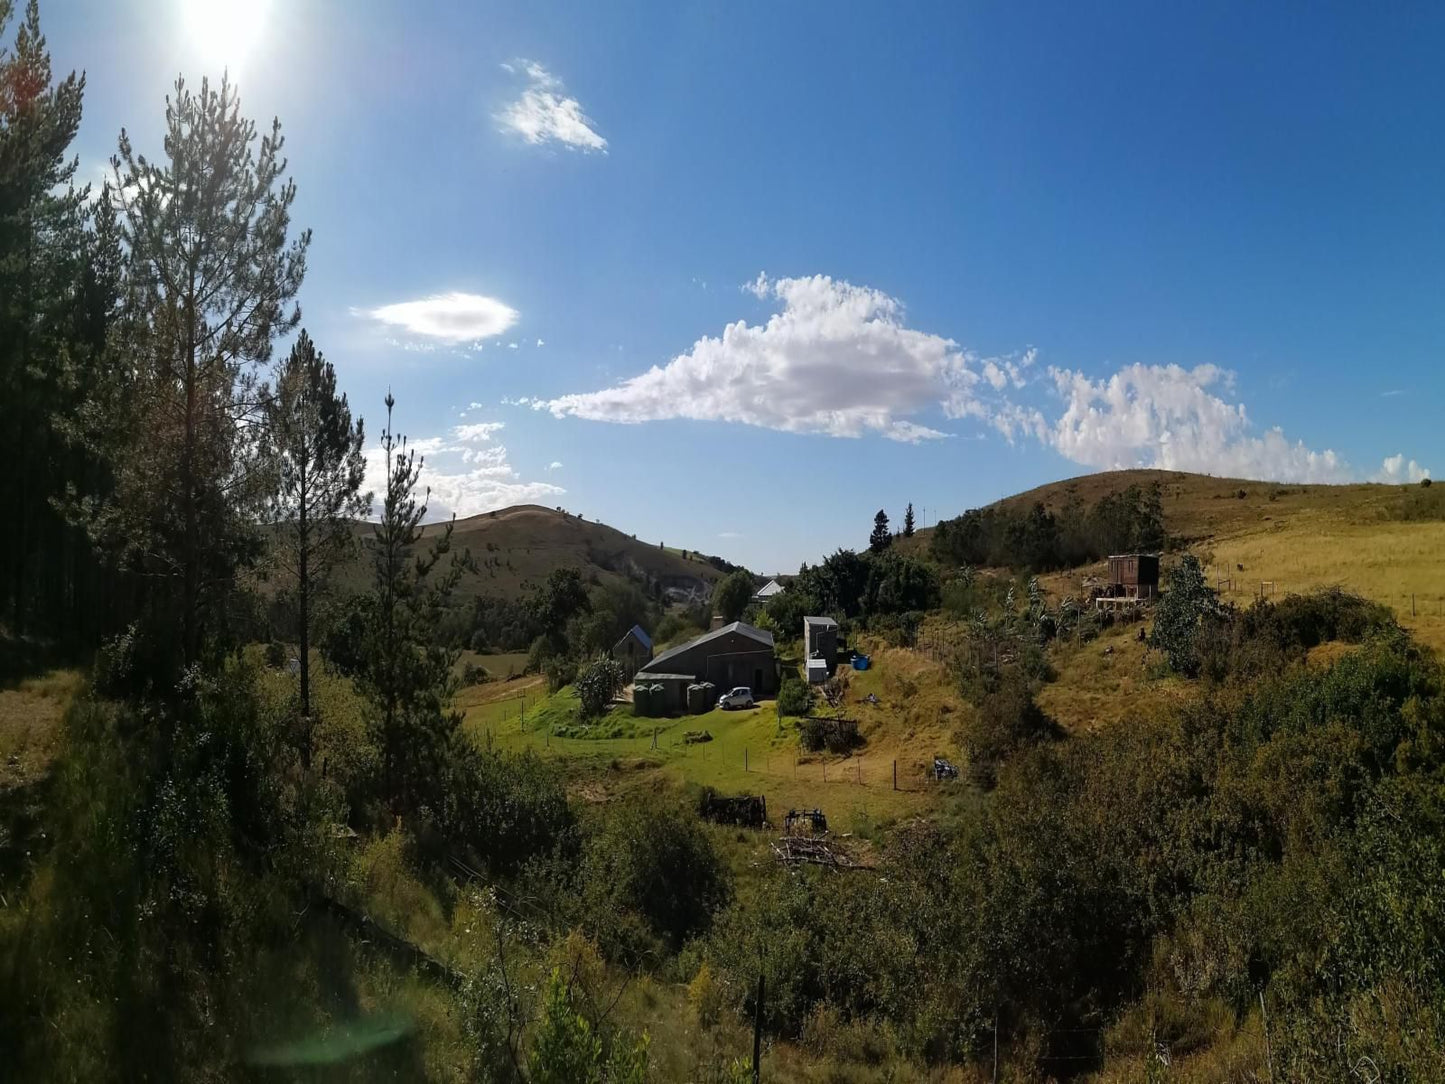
(823,622)
(764,638)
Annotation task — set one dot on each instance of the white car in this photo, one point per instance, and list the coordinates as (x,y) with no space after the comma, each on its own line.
(741,697)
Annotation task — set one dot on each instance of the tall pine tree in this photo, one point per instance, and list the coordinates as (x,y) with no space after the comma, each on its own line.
(881,538)
(211,277)
(404,673)
(908,521)
(43,248)
(314,450)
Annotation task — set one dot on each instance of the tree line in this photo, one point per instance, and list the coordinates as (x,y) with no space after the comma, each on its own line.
(1039,540)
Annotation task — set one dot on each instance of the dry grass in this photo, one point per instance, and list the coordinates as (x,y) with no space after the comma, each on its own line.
(30,731)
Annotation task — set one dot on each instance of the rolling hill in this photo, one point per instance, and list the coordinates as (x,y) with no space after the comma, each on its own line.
(515,549)
(1274,537)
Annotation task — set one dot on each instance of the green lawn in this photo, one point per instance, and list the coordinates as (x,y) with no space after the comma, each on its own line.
(751,751)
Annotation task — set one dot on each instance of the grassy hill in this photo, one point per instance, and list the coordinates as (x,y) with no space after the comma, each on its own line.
(515,548)
(1290,538)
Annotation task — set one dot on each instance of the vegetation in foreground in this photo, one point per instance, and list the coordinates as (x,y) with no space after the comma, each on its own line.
(213,868)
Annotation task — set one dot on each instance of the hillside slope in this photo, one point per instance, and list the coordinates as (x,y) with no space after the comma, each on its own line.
(1274,537)
(515,549)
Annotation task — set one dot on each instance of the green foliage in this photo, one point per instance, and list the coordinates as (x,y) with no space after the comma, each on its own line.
(652,879)
(908,521)
(205,228)
(506,811)
(275,654)
(1180,614)
(880,538)
(795,697)
(732,595)
(599,682)
(556,602)
(1006,720)
(406,677)
(1040,540)
(564,1049)
(312,450)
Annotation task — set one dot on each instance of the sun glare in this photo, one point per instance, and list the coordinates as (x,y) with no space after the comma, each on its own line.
(224,33)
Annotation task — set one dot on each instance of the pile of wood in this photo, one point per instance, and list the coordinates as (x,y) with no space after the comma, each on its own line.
(795,850)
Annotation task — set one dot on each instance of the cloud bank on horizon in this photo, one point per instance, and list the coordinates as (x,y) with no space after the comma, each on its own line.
(840,360)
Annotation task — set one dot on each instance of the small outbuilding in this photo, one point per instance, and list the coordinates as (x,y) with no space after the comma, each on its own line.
(767,591)
(1134,575)
(633,651)
(820,641)
(736,654)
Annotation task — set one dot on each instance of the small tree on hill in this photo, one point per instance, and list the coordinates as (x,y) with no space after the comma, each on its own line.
(908,521)
(881,538)
(732,595)
(599,683)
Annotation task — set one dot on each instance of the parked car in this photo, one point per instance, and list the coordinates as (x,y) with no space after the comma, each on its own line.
(741,697)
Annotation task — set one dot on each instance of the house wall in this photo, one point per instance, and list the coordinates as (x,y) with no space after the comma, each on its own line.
(631,655)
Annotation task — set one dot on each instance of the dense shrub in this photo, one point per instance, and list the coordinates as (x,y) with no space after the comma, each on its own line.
(652,880)
(598,683)
(1005,720)
(795,697)
(502,811)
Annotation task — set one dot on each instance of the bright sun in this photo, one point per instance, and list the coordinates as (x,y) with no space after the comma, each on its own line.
(223,33)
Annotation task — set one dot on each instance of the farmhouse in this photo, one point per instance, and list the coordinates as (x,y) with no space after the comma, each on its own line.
(633,651)
(820,648)
(736,654)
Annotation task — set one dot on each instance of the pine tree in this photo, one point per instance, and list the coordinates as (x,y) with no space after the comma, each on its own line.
(211,277)
(881,538)
(403,672)
(314,451)
(908,521)
(43,246)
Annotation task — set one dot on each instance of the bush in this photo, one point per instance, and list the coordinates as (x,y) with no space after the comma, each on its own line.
(276,655)
(652,881)
(598,684)
(504,811)
(560,671)
(1005,720)
(795,697)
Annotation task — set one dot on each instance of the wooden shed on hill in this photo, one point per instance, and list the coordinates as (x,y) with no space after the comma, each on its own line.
(633,651)
(1134,575)
(736,654)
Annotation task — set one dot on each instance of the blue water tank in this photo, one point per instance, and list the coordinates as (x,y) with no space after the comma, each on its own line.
(860,662)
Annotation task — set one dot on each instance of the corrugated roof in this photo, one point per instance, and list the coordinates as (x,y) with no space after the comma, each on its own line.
(636,630)
(825,622)
(769,589)
(764,638)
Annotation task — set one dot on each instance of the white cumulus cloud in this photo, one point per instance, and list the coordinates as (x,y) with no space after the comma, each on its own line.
(546,114)
(1173,418)
(1395,471)
(835,358)
(452,317)
(467,471)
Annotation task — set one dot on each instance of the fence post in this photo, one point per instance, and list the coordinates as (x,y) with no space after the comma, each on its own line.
(895,775)
(745,758)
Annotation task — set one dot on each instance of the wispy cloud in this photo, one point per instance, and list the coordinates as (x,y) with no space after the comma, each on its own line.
(556,464)
(468,472)
(451,317)
(546,114)
(1392,393)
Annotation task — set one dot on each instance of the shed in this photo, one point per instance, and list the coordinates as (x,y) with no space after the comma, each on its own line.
(817,671)
(1134,575)
(767,591)
(736,654)
(820,641)
(633,651)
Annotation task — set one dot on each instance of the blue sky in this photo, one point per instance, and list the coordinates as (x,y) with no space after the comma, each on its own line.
(876,255)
